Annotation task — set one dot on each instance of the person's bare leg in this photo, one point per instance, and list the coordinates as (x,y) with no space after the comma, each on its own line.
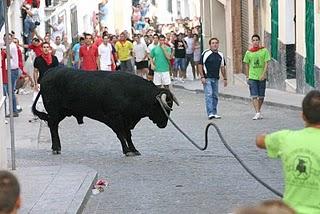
(255,103)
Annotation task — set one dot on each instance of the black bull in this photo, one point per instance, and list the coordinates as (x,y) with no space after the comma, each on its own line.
(118,100)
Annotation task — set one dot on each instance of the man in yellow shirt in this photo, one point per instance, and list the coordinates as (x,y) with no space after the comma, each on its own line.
(124,51)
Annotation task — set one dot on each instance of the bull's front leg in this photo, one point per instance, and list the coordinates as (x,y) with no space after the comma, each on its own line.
(56,146)
(124,146)
(130,144)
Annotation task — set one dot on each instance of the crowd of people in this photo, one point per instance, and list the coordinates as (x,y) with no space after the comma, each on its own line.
(159,53)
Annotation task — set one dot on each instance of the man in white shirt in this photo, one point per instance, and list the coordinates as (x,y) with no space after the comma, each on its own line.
(105,56)
(15,73)
(189,52)
(140,51)
(59,50)
(58,29)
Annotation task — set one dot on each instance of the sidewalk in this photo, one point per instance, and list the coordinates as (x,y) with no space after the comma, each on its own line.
(46,188)
(55,189)
(238,89)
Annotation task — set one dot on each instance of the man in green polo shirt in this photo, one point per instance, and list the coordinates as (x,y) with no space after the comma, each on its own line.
(300,154)
(160,59)
(256,60)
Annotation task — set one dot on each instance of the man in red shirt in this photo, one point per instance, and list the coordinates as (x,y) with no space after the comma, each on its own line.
(35,46)
(88,55)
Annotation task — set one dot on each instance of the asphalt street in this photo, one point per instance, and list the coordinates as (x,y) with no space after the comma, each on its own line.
(171,175)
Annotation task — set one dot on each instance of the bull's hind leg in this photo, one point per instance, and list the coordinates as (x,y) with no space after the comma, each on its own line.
(53,125)
(130,144)
(56,146)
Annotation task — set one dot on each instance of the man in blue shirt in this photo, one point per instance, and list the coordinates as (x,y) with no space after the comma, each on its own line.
(75,53)
(212,62)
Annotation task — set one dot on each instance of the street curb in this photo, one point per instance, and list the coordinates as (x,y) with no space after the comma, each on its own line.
(78,204)
(247,99)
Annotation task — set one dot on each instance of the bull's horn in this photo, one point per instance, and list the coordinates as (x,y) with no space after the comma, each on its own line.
(175,100)
(164,101)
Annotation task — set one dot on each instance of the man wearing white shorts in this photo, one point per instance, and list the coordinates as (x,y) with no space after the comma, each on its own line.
(160,61)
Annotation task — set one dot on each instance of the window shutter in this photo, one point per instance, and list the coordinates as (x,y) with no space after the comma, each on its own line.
(309,30)
(244,27)
(274,29)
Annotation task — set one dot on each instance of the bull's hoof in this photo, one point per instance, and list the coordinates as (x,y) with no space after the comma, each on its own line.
(137,153)
(130,154)
(56,152)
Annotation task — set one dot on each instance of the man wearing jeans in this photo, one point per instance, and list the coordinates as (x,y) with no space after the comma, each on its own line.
(15,73)
(212,62)
(256,60)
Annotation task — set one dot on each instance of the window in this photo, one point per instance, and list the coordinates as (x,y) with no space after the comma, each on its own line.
(170,6)
(74,21)
(309,41)
(274,29)
(55,2)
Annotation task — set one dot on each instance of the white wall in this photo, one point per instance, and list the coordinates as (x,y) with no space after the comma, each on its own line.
(300,22)
(266,15)
(286,22)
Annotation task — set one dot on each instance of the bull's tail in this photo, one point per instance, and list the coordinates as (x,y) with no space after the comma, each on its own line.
(41,115)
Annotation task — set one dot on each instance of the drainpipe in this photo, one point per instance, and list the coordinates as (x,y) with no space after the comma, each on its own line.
(13,158)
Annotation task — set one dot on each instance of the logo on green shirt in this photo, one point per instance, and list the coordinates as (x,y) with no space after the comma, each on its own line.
(302,167)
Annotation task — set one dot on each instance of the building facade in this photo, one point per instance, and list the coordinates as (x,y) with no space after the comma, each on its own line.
(292,34)
(289,29)
(167,11)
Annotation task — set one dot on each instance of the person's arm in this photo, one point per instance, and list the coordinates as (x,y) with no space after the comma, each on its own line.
(265,70)
(98,62)
(224,75)
(246,64)
(53,27)
(166,53)
(27,11)
(72,55)
(185,44)
(80,59)
(246,70)
(38,36)
(24,46)
(260,141)
(35,79)
(201,70)
(98,59)
(202,78)
(152,63)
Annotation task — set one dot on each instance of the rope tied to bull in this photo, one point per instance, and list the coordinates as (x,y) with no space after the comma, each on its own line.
(224,143)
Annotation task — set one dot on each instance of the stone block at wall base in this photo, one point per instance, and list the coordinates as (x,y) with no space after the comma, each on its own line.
(302,86)
(277,72)
(317,76)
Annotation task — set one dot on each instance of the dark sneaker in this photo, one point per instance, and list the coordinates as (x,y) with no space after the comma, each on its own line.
(15,114)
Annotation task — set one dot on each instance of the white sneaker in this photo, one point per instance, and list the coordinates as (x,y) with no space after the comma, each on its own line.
(260,116)
(214,116)
(257,116)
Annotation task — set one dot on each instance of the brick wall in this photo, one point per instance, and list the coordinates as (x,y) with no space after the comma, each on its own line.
(236,34)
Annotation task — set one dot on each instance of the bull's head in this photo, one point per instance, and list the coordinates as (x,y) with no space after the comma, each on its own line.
(165,98)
